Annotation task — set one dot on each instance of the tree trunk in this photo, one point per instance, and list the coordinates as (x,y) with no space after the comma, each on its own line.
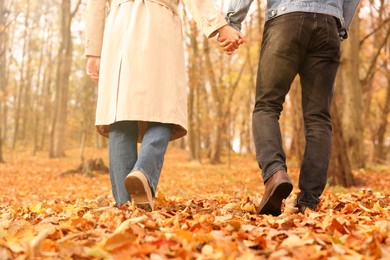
(246,125)
(376,123)
(3,83)
(8,62)
(27,93)
(223,96)
(352,94)
(215,156)
(380,149)
(298,138)
(22,85)
(1,148)
(64,64)
(193,104)
(38,104)
(100,141)
(47,82)
(340,172)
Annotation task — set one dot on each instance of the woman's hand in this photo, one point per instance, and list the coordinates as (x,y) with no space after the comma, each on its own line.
(230,39)
(93,66)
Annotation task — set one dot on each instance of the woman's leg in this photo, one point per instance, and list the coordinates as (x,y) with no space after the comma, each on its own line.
(123,156)
(142,181)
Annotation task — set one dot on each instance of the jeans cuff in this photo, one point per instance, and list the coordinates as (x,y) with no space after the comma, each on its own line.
(309,205)
(312,206)
(269,175)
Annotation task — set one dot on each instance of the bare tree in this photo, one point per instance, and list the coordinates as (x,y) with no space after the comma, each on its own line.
(22,82)
(351,106)
(379,136)
(64,65)
(222,93)
(195,81)
(340,172)
(376,66)
(3,78)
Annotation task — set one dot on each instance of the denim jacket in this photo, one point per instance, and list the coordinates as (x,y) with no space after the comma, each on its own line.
(344,10)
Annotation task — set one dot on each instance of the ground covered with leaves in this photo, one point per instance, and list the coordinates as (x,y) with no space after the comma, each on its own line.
(202,211)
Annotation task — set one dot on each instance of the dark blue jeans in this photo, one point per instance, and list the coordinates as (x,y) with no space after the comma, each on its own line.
(124,157)
(306,44)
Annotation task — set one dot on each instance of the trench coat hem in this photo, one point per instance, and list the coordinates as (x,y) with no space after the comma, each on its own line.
(177,130)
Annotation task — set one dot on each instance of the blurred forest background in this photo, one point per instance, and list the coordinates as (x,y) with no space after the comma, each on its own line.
(47,103)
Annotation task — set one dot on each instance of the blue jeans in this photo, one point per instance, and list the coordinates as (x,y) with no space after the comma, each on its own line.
(124,158)
(307,44)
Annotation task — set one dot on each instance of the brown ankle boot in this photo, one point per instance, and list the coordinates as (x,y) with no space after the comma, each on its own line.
(277,188)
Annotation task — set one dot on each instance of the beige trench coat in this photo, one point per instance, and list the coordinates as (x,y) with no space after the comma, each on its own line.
(142,70)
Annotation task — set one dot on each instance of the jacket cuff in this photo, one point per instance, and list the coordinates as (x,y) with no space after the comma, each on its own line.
(94,52)
(212,30)
(93,42)
(235,25)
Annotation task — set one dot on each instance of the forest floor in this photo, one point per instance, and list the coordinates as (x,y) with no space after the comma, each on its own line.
(202,211)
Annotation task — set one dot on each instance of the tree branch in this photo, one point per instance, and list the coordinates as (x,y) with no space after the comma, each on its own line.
(373,31)
(75,10)
(371,71)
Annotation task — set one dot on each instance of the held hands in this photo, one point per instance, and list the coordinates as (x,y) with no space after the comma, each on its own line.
(229,39)
(93,65)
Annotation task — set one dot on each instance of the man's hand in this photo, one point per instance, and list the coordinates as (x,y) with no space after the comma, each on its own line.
(229,39)
(93,65)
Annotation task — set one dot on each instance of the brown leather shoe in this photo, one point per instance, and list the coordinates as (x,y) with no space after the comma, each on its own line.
(277,188)
(137,186)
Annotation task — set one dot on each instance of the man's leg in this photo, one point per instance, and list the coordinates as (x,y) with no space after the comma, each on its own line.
(317,79)
(282,51)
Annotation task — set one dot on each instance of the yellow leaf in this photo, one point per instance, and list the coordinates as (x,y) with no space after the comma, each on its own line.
(235,224)
(249,207)
(97,252)
(119,239)
(37,240)
(127,223)
(16,246)
(293,241)
(187,235)
(36,208)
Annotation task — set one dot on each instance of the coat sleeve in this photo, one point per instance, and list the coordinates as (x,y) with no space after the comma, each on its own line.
(206,15)
(94,29)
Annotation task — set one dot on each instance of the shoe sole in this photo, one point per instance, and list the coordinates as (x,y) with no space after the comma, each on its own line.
(139,191)
(274,204)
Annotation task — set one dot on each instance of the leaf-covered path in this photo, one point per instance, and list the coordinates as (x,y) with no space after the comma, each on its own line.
(202,212)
